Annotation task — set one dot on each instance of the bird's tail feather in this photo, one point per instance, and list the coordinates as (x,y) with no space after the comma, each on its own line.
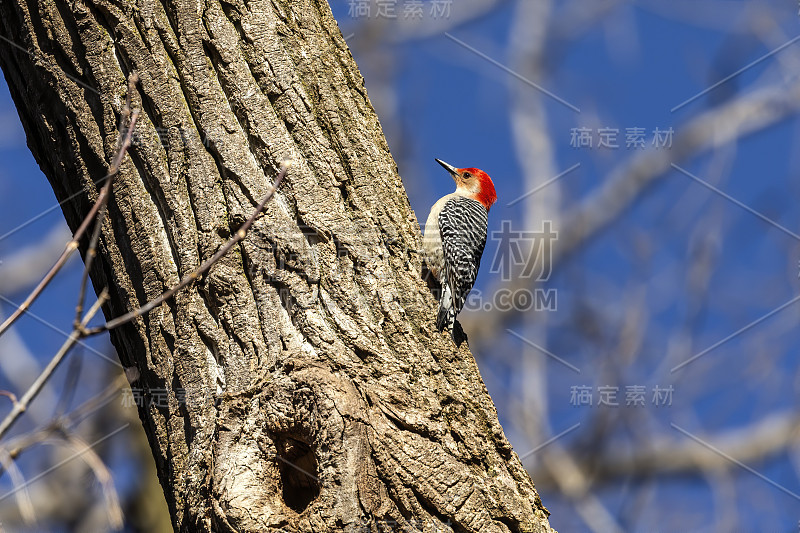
(447,313)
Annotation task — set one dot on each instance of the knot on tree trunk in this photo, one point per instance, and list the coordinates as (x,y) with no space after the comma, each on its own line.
(290,454)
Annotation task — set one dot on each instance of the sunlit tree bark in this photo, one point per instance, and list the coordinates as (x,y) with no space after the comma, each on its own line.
(305,386)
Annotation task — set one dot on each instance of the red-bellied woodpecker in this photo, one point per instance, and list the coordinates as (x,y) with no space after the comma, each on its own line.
(455,235)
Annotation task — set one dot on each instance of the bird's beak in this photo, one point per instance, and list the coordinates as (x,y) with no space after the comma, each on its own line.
(450,168)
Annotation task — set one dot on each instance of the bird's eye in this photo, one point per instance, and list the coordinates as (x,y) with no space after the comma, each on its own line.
(467,175)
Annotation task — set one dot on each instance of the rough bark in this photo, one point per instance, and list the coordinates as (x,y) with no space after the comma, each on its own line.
(311,346)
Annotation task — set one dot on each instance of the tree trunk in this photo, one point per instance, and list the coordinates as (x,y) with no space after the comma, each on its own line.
(307,387)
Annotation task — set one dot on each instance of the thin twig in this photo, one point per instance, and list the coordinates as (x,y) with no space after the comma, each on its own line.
(14,447)
(21,488)
(103,476)
(80,330)
(90,406)
(123,143)
(70,386)
(10,395)
(91,252)
(61,463)
(70,248)
(22,405)
(200,270)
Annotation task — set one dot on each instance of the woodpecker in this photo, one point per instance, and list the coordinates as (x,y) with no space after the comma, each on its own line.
(454,238)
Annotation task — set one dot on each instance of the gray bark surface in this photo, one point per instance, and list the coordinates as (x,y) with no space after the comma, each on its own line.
(308,388)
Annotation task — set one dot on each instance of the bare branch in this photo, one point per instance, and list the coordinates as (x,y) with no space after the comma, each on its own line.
(27,266)
(666,456)
(724,124)
(20,488)
(37,385)
(123,143)
(81,331)
(717,127)
(240,234)
(102,474)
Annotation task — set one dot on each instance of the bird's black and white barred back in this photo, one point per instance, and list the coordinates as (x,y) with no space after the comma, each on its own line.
(455,235)
(463,223)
